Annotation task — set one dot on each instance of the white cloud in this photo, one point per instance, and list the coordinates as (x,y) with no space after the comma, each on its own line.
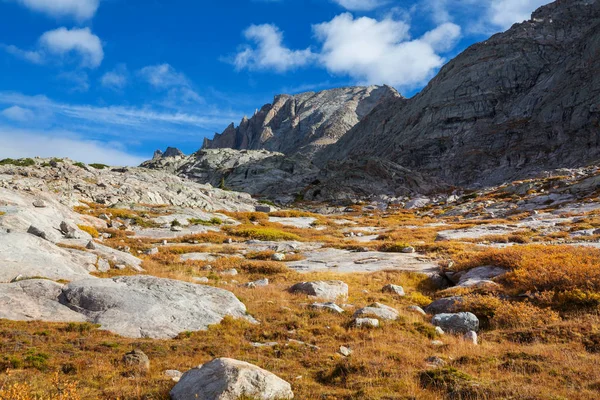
(377,52)
(504,13)
(79,80)
(17,113)
(116,79)
(78,9)
(163,76)
(269,52)
(63,41)
(360,5)
(18,143)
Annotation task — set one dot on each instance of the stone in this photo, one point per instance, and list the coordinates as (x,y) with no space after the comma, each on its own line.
(439,331)
(408,250)
(435,361)
(366,323)
(478,276)
(152,251)
(230,272)
(437,343)
(150,307)
(444,305)
(329,290)
(173,374)
(416,309)
(176,228)
(471,337)
(103,265)
(345,351)
(90,245)
(38,232)
(278,257)
(137,362)
(417,203)
(39,203)
(202,279)
(462,322)
(377,310)
(69,231)
(393,289)
(263,209)
(229,379)
(259,283)
(328,307)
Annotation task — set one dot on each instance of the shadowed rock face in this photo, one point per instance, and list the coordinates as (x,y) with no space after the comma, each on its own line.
(303,122)
(522,101)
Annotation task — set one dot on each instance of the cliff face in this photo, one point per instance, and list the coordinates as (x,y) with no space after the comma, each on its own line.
(521,102)
(303,123)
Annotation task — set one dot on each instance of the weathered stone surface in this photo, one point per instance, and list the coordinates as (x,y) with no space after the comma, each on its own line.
(366,323)
(444,305)
(330,290)
(377,310)
(137,362)
(457,323)
(393,289)
(478,276)
(228,379)
(145,306)
(328,307)
(471,337)
(35,300)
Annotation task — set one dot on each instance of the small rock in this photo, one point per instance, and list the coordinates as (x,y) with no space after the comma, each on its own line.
(328,307)
(278,257)
(151,251)
(378,310)
(230,272)
(408,250)
(201,280)
(416,309)
(345,351)
(37,232)
(176,229)
(329,290)
(173,374)
(263,209)
(445,305)
(366,322)
(462,322)
(258,283)
(104,217)
(69,231)
(435,361)
(103,265)
(164,242)
(439,331)
(437,343)
(39,204)
(137,361)
(471,337)
(90,245)
(394,289)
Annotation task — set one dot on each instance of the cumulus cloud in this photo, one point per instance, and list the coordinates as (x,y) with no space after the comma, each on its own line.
(116,79)
(360,5)
(374,51)
(17,113)
(78,9)
(61,43)
(19,143)
(268,51)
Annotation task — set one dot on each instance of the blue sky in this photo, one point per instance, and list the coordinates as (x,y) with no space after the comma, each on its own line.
(113,80)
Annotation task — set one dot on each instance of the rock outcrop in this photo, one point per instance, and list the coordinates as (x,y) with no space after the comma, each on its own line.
(516,104)
(304,122)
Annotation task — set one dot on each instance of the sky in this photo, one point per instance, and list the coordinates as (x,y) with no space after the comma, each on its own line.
(113,80)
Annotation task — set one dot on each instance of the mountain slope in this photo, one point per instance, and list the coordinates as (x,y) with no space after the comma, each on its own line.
(303,122)
(521,102)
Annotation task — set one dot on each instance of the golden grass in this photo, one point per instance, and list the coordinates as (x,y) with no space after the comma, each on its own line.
(261,233)
(93,232)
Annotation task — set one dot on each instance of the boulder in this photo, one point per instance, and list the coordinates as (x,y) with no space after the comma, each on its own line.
(229,379)
(366,323)
(329,290)
(416,309)
(471,337)
(444,305)
(457,323)
(327,307)
(393,289)
(150,307)
(377,310)
(69,231)
(478,276)
(137,362)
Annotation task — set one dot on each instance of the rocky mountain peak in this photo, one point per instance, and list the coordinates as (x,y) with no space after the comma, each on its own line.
(303,122)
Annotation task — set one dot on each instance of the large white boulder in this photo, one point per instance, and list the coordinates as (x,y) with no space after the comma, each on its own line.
(228,379)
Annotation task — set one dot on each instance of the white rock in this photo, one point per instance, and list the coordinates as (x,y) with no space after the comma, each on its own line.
(327,306)
(394,289)
(345,351)
(416,309)
(278,257)
(174,375)
(366,322)
(377,310)
(228,379)
(470,337)
(329,290)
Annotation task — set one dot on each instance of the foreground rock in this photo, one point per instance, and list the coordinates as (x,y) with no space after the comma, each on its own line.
(329,290)
(377,310)
(228,379)
(145,306)
(457,323)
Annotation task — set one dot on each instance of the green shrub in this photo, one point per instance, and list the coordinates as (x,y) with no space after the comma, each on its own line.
(22,162)
(98,166)
(211,222)
(80,165)
(260,233)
